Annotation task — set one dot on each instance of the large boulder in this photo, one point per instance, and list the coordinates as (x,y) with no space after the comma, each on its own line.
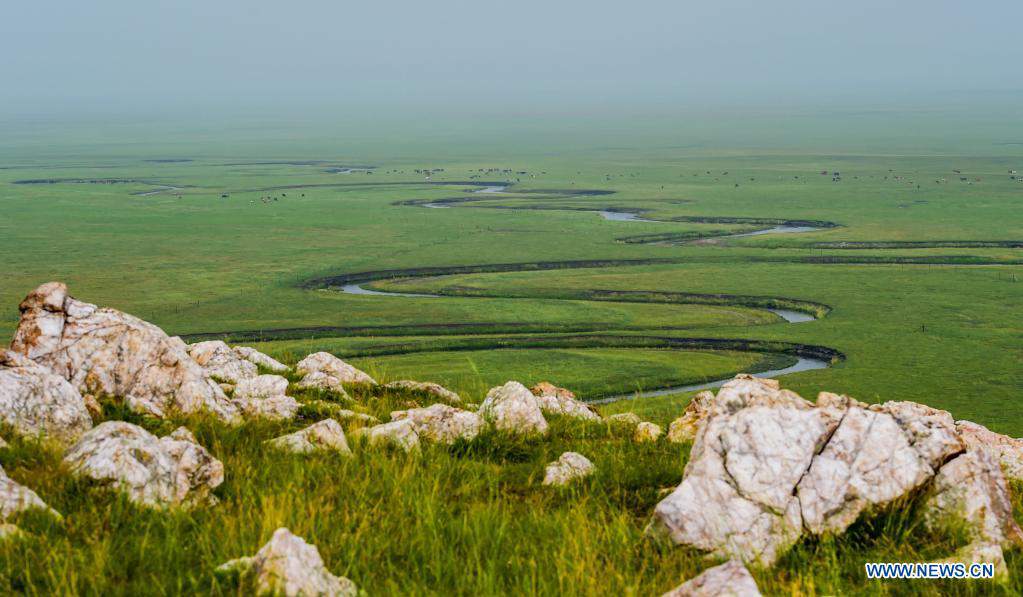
(221,362)
(737,496)
(425,387)
(257,358)
(559,401)
(332,369)
(1007,450)
(15,498)
(875,456)
(513,408)
(325,436)
(569,467)
(684,428)
(767,466)
(36,402)
(730,579)
(289,566)
(442,423)
(160,472)
(264,396)
(106,352)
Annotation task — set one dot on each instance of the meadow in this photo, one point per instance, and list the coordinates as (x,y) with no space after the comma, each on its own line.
(250,239)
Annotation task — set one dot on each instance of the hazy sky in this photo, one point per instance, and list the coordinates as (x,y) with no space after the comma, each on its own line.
(249,52)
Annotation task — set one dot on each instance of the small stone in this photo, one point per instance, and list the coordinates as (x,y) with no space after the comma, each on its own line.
(442,423)
(327,435)
(684,428)
(513,408)
(330,365)
(289,566)
(259,359)
(399,434)
(629,419)
(647,432)
(436,390)
(569,467)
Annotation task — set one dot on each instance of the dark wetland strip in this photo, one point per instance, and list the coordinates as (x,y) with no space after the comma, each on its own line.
(87,181)
(918,244)
(485,268)
(363,185)
(425,329)
(810,351)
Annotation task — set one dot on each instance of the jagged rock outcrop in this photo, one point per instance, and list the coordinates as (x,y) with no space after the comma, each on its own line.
(569,467)
(399,434)
(106,352)
(220,361)
(425,387)
(326,371)
(36,402)
(513,408)
(647,432)
(559,401)
(15,498)
(327,435)
(441,423)
(768,466)
(264,396)
(730,579)
(1007,450)
(257,358)
(169,471)
(289,566)
(684,428)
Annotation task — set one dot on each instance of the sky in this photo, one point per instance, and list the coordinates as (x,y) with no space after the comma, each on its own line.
(63,55)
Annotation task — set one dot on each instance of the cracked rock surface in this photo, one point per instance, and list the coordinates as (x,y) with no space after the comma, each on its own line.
(103,351)
(36,402)
(168,471)
(768,466)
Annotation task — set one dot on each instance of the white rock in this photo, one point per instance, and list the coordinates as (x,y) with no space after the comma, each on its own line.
(399,434)
(327,435)
(874,457)
(971,489)
(10,531)
(627,419)
(559,401)
(257,358)
(684,428)
(318,380)
(264,396)
(569,467)
(16,498)
(335,410)
(160,472)
(36,402)
(513,408)
(981,553)
(647,432)
(324,362)
(442,423)
(1007,450)
(730,579)
(289,566)
(737,497)
(425,387)
(107,352)
(221,362)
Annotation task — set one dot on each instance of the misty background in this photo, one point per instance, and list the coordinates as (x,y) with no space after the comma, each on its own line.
(390,63)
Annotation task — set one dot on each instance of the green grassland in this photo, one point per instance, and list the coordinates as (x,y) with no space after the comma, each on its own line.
(936,321)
